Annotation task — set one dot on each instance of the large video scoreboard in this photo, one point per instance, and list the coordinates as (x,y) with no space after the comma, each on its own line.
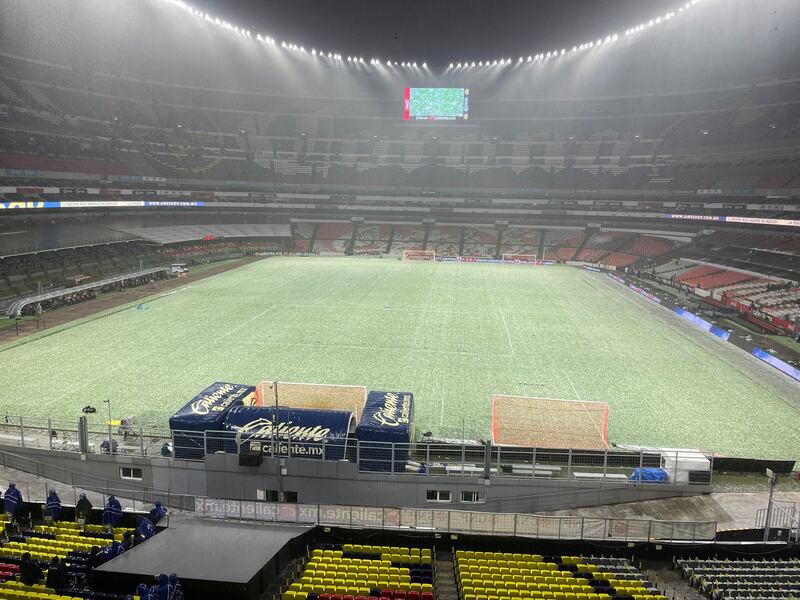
(436,104)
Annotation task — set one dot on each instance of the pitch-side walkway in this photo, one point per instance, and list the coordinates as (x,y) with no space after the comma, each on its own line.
(731,510)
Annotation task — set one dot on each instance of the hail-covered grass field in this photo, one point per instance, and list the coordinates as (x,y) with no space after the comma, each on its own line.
(453,334)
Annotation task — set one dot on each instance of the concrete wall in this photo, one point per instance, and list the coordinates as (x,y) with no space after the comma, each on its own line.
(323,482)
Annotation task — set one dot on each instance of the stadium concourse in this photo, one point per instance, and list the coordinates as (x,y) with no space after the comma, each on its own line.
(422,313)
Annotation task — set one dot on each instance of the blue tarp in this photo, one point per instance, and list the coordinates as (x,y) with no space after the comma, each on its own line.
(650,474)
(387,418)
(296,432)
(206,412)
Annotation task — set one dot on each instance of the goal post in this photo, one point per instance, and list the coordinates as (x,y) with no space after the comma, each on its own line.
(419,255)
(520,257)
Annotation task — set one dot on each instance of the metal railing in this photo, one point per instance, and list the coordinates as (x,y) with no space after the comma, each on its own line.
(420,458)
(70,484)
(461,522)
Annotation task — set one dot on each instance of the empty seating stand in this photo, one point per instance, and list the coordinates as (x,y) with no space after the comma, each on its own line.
(356,572)
(506,576)
(760,579)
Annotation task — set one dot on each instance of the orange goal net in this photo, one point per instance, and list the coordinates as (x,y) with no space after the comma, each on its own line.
(548,423)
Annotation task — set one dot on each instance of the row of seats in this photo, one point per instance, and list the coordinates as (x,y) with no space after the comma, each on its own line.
(751,579)
(15,590)
(354,570)
(516,576)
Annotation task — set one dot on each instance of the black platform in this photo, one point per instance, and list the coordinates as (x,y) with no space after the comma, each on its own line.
(213,559)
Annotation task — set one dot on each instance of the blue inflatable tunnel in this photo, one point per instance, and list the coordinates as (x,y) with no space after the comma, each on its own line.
(206,412)
(292,432)
(386,431)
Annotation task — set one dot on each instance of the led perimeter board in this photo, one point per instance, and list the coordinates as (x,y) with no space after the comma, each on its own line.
(436,104)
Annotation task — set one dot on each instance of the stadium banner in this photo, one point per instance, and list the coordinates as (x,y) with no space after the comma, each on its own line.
(641,291)
(782,366)
(206,412)
(730,219)
(494,261)
(591,268)
(702,323)
(43,204)
(286,431)
(28,205)
(388,418)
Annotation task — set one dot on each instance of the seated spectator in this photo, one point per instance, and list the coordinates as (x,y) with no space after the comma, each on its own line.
(143,592)
(113,551)
(127,540)
(83,509)
(176,587)
(57,578)
(144,528)
(158,512)
(29,571)
(161,590)
(53,507)
(112,512)
(12,501)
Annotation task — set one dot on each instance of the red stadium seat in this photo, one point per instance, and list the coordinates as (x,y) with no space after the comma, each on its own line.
(399,595)
(427,596)
(387,594)
(413,595)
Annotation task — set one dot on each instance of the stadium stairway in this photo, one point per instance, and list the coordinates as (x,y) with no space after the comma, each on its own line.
(445,578)
(668,579)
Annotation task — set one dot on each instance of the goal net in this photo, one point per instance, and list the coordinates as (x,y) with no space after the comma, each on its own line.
(520,257)
(419,255)
(548,423)
(313,395)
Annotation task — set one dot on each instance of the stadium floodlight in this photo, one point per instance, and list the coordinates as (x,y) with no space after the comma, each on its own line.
(494,63)
(388,63)
(330,55)
(519,60)
(424,65)
(283,44)
(473,63)
(574,48)
(614,38)
(414,65)
(451,66)
(313,52)
(402,64)
(530,58)
(563,51)
(480,63)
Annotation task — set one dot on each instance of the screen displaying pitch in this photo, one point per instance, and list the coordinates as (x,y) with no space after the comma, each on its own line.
(436,104)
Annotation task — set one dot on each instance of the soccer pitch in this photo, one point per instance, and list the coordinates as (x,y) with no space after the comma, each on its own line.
(453,334)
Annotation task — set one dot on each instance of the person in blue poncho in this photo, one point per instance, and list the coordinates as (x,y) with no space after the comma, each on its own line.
(113,551)
(12,501)
(144,527)
(161,590)
(53,507)
(112,512)
(176,589)
(143,592)
(158,512)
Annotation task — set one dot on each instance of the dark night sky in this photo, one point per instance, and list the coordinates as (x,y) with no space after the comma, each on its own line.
(439,31)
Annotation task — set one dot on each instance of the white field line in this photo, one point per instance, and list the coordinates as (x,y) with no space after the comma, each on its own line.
(371,347)
(250,320)
(505,326)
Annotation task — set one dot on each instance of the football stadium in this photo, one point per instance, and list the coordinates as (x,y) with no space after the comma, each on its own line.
(364,301)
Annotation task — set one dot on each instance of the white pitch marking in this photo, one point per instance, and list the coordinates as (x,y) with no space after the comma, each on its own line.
(505,326)
(250,320)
